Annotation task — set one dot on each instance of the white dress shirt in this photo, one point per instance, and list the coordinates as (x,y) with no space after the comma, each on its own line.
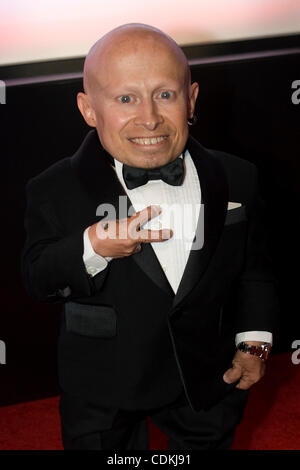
(181,206)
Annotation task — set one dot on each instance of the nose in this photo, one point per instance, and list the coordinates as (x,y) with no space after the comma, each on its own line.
(148,115)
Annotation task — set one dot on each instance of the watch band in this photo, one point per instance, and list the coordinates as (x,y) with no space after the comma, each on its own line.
(262,351)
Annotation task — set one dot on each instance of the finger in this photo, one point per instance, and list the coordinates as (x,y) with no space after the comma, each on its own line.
(141,217)
(244,384)
(149,236)
(247,380)
(233,374)
(138,248)
(105,229)
(250,377)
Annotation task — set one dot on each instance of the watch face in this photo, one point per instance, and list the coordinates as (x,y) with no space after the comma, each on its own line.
(262,351)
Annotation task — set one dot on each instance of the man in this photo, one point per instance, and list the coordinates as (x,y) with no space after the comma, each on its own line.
(151,316)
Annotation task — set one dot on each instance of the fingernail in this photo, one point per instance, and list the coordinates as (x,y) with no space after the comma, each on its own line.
(166,233)
(226,379)
(157,209)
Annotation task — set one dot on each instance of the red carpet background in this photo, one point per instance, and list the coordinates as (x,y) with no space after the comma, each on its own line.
(271,420)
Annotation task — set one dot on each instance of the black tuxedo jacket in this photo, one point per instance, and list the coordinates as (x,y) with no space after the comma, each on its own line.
(125,337)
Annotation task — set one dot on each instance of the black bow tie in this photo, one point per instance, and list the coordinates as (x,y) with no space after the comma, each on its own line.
(172,173)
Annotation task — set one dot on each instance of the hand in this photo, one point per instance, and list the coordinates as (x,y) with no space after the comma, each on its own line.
(120,238)
(246,367)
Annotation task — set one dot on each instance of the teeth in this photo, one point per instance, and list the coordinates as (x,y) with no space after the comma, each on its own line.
(149,141)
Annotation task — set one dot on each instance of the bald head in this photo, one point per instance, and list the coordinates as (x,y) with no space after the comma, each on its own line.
(126,39)
(138,95)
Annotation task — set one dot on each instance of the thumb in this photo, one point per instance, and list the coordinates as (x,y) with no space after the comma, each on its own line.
(233,374)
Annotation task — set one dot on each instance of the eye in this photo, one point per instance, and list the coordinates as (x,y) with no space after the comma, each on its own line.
(166,95)
(125,99)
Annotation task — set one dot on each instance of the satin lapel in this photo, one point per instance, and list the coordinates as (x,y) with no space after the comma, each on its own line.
(94,169)
(148,262)
(214,196)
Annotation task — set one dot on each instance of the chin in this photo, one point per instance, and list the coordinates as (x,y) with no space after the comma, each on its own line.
(151,162)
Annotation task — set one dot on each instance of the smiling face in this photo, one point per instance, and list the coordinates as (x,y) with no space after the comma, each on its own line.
(139,99)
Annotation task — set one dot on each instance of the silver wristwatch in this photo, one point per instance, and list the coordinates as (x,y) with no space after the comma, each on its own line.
(262,351)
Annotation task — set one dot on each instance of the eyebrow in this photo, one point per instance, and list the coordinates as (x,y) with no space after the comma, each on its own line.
(135,88)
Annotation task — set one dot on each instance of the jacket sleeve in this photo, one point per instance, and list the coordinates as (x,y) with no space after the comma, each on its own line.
(52,262)
(257,303)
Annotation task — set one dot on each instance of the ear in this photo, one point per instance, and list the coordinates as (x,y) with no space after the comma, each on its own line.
(193,93)
(86,109)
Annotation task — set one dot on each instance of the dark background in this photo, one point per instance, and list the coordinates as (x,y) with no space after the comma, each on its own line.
(244,107)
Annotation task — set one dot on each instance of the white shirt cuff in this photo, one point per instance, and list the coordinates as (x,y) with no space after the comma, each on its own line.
(94,263)
(264,336)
